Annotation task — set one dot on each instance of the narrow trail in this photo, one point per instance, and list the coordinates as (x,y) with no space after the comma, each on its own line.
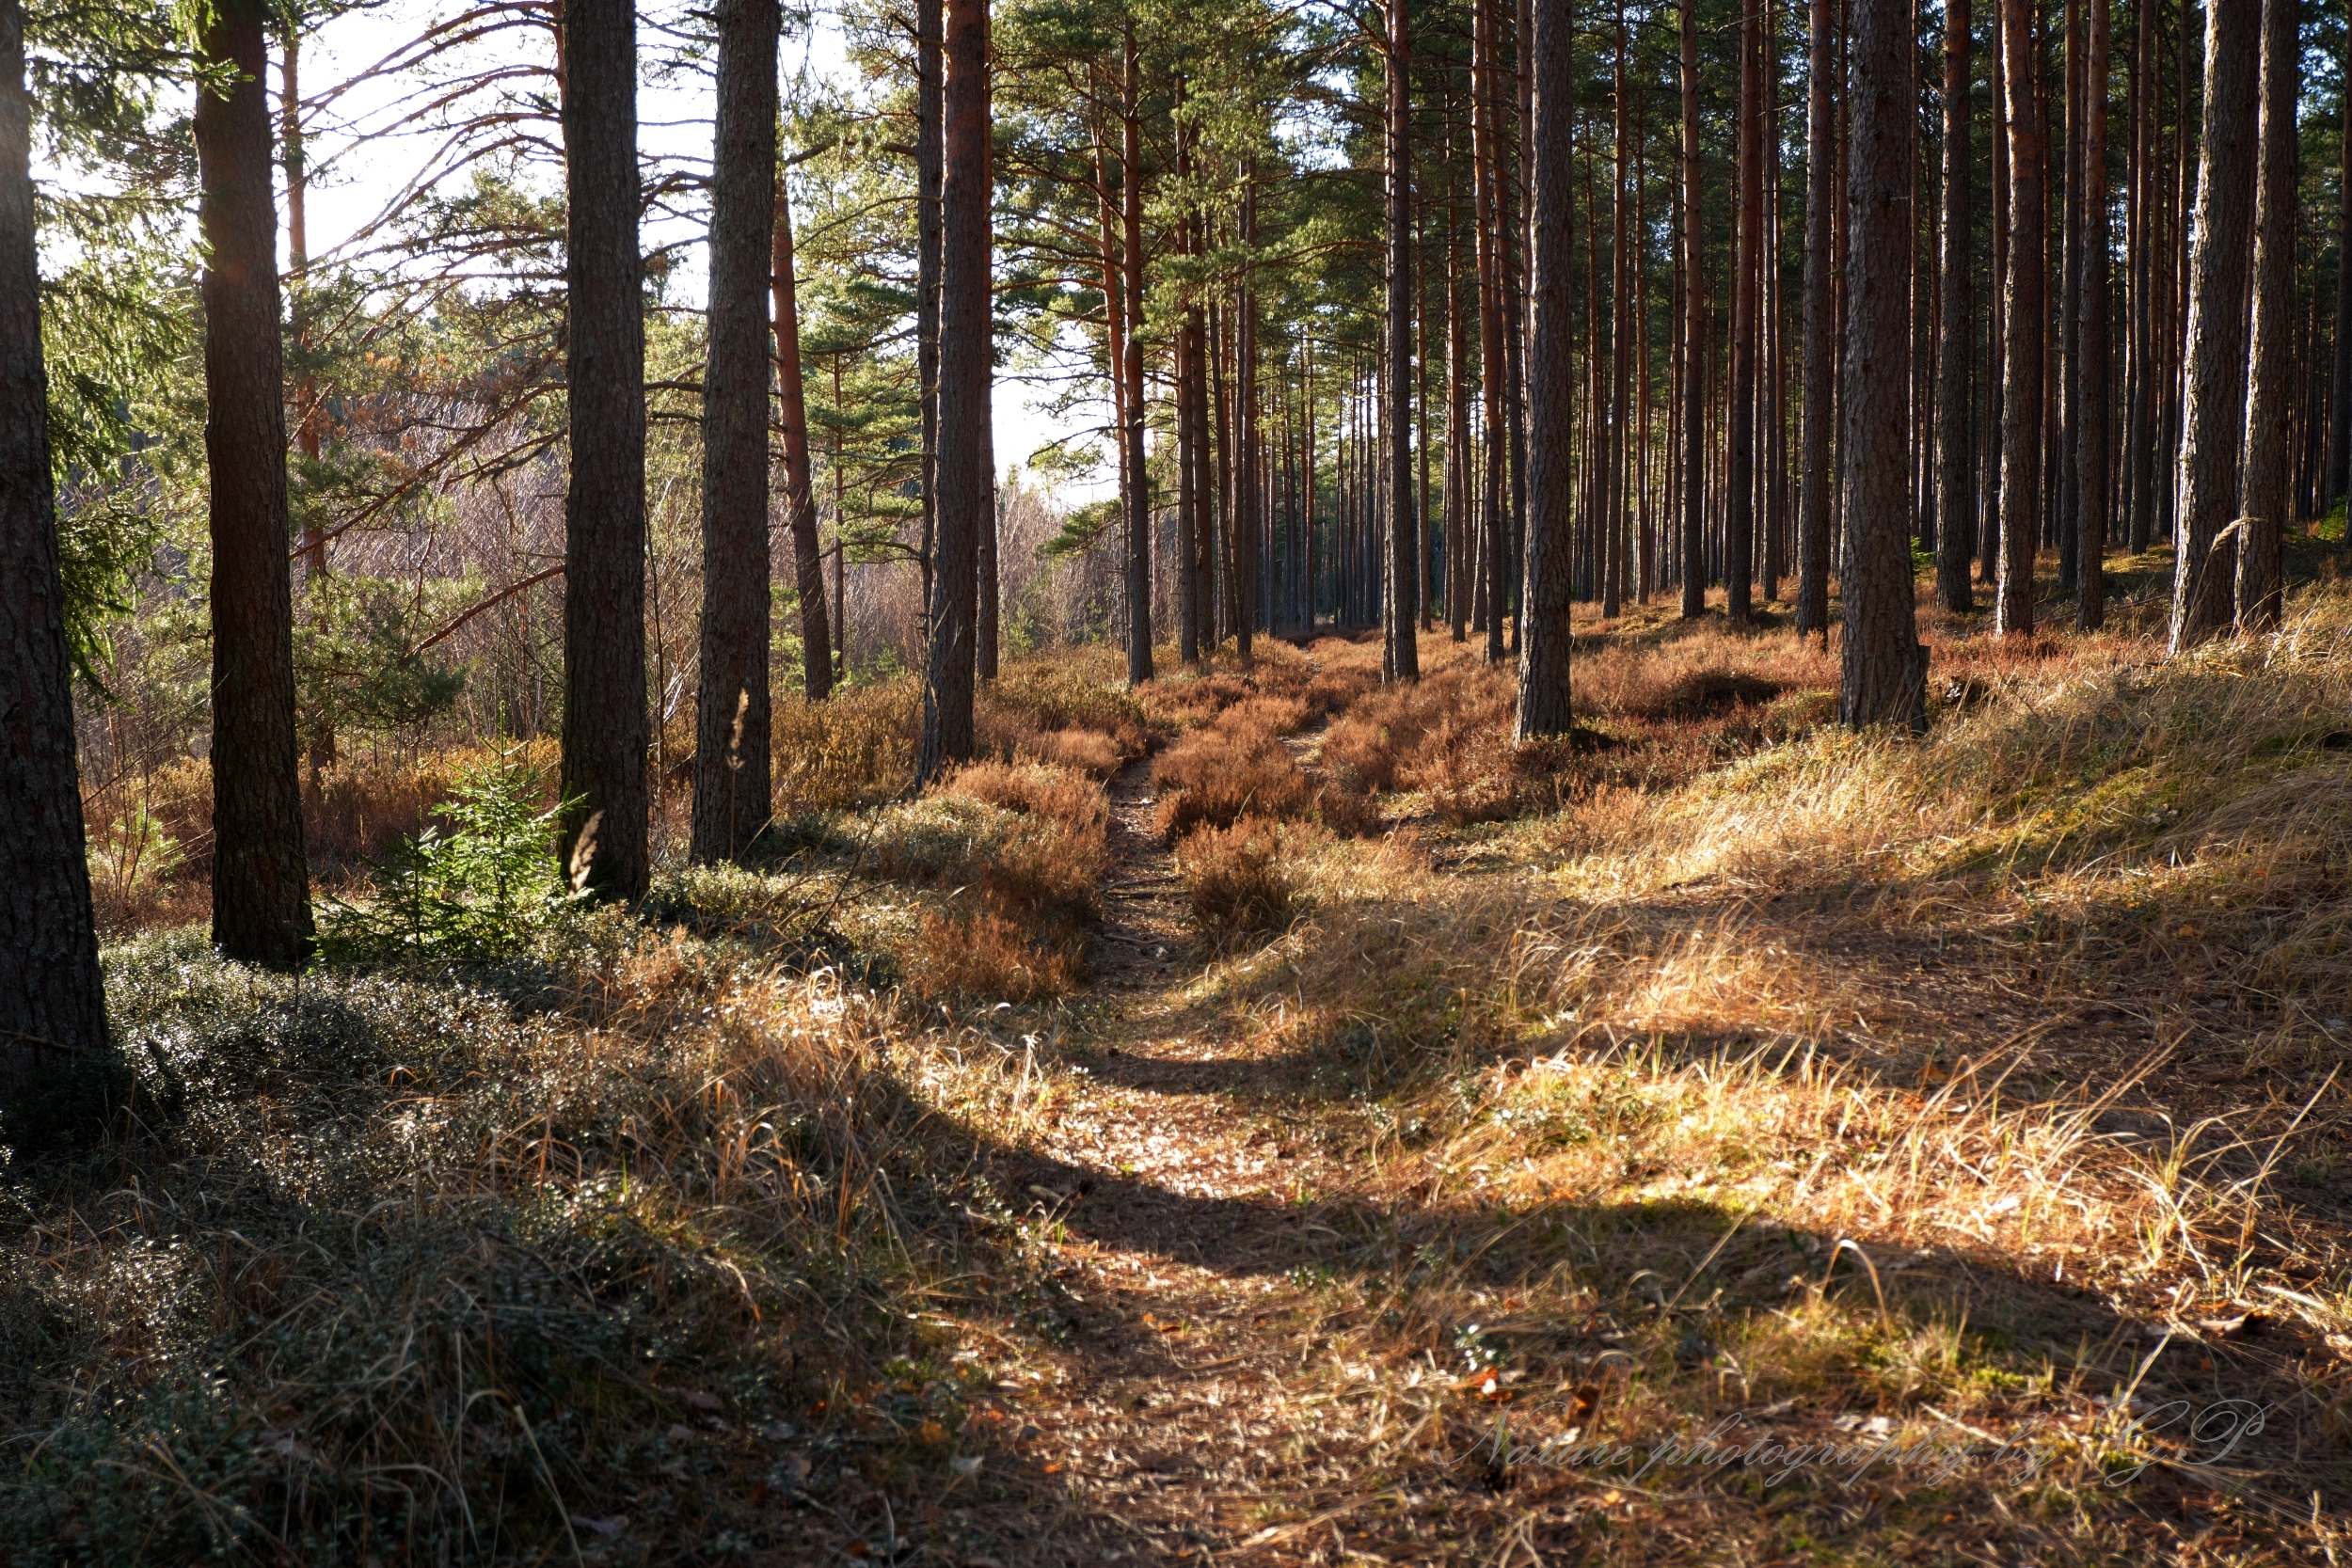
(1188,1187)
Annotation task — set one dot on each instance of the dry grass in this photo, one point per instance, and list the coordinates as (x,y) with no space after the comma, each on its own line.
(852,750)
(1976,1088)
(1014,854)
(392,1274)
(1234,878)
(150,836)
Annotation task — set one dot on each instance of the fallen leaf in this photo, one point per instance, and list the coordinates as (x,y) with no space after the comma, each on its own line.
(931,1432)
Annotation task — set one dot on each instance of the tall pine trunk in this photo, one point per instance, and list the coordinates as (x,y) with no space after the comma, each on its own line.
(1956,532)
(1747,273)
(50,990)
(1403,662)
(2213,416)
(260,880)
(732,722)
(1820,331)
(965,506)
(1694,334)
(800,496)
(1544,637)
(2339,434)
(2023,327)
(1882,677)
(2091,429)
(1138,530)
(2269,398)
(928,155)
(1486,163)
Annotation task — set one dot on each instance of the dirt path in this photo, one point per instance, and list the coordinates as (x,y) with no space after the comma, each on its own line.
(1167,1427)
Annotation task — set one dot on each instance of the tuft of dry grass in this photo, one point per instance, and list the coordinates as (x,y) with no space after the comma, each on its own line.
(1236,879)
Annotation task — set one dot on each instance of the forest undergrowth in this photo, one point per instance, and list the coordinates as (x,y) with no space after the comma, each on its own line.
(1269,1116)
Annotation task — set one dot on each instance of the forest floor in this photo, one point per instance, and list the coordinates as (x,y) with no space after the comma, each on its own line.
(1717,1140)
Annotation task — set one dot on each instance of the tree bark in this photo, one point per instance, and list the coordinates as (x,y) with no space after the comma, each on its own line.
(964,372)
(1693,333)
(51,993)
(2269,401)
(2091,430)
(320,741)
(1140,492)
(800,496)
(732,721)
(1820,331)
(1956,533)
(1544,634)
(1747,273)
(2213,418)
(1996,319)
(1486,162)
(2340,435)
(2139,435)
(2022,369)
(260,879)
(1883,669)
(929,156)
(1403,603)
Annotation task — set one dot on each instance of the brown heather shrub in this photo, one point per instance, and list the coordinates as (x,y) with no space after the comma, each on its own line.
(1235,877)
(988,955)
(1061,710)
(852,750)
(1235,768)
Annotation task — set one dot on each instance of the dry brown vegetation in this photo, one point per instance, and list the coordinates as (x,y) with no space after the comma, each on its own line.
(1234,878)
(1979,1091)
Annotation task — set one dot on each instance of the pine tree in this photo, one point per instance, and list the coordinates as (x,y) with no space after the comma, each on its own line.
(50,989)
(260,879)
(732,720)
(1882,677)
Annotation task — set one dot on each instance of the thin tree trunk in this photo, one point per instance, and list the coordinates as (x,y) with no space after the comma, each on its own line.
(2091,438)
(2213,419)
(51,992)
(964,345)
(800,496)
(2068,410)
(1613,520)
(1747,273)
(2022,379)
(2269,404)
(1955,544)
(1131,436)
(1486,164)
(1883,669)
(1402,653)
(1997,315)
(2139,435)
(1247,516)
(928,157)
(732,721)
(1694,332)
(1820,325)
(1186,370)
(319,742)
(260,880)
(1544,635)
(2340,435)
